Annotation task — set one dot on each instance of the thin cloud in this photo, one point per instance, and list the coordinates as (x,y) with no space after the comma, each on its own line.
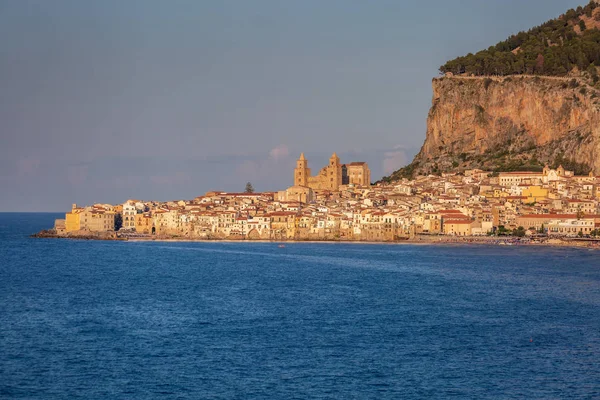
(279,153)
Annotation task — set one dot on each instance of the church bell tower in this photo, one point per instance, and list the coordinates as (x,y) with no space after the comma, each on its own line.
(301,172)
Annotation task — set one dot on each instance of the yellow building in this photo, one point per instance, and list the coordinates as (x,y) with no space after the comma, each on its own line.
(143,223)
(534,194)
(72,219)
(500,193)
(457,227)
(90,219)
(97,220)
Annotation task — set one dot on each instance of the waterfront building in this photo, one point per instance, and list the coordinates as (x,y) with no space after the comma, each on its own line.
(570,227)
(143,223)
(128,215)
(72,219)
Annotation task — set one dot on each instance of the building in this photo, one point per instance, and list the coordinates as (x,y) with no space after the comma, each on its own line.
(534,194)
(357,174)
(301,194)
(458,227)
(570,227)
(129,212)
(72,220)
(329,177)
(541,221)
(332,176)
(60,227)
(143,223)
(534,178)
(520,178)
(95,220)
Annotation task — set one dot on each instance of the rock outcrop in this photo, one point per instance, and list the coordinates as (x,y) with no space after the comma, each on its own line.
(510,123)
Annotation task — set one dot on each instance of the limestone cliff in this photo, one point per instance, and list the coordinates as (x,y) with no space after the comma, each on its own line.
(511,123)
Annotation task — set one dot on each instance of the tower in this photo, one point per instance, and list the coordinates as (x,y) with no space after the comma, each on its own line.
(334,173)
(301,172)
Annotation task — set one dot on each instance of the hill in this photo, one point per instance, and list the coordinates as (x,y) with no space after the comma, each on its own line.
(557,47)
(531,100)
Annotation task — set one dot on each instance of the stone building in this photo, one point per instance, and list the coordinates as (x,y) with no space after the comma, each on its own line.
(357,174)
(328,178)
(333,175)
(301,194)
(91,219)
(535,178)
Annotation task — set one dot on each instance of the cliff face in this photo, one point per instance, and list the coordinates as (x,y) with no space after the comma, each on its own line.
(511,123)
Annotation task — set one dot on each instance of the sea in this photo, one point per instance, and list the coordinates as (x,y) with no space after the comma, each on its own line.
(239,320)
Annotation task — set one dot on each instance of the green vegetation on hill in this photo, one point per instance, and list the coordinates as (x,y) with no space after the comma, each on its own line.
(553,48)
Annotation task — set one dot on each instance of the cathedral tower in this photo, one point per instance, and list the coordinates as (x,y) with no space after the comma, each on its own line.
(301,172)
(334,173)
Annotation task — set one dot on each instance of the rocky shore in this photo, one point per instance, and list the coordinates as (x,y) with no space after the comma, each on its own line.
(81,235)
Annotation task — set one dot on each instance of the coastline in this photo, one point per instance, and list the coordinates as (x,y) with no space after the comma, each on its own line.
(424,240)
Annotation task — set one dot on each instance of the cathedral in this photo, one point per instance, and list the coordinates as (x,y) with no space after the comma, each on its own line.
(333,175)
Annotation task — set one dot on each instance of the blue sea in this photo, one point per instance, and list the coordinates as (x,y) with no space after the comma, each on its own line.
(124,320)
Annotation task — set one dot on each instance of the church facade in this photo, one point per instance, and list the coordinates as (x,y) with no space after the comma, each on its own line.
(332,176)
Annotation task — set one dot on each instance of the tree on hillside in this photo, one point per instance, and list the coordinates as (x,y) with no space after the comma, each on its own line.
(555,43)
(539,64)
(249,188)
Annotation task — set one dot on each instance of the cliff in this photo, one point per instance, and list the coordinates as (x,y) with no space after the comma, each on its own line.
(511,123)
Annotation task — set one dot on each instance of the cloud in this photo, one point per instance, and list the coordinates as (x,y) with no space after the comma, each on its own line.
(394,160)
(267,172)
(280,152)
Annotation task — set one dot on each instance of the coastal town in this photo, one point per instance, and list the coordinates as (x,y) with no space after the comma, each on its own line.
(340,204)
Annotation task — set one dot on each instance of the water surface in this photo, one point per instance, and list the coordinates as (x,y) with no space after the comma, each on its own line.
(113,320)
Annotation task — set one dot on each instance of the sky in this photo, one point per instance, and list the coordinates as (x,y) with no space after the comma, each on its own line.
(104,101)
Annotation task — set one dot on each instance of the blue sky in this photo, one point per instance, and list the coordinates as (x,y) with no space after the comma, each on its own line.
(108,100)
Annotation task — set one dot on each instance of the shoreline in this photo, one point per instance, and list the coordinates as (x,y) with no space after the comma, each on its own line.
(420,240)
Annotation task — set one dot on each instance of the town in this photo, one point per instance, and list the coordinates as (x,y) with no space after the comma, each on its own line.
(341,204)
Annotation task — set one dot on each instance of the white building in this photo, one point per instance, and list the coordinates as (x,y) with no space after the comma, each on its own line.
(129,212)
